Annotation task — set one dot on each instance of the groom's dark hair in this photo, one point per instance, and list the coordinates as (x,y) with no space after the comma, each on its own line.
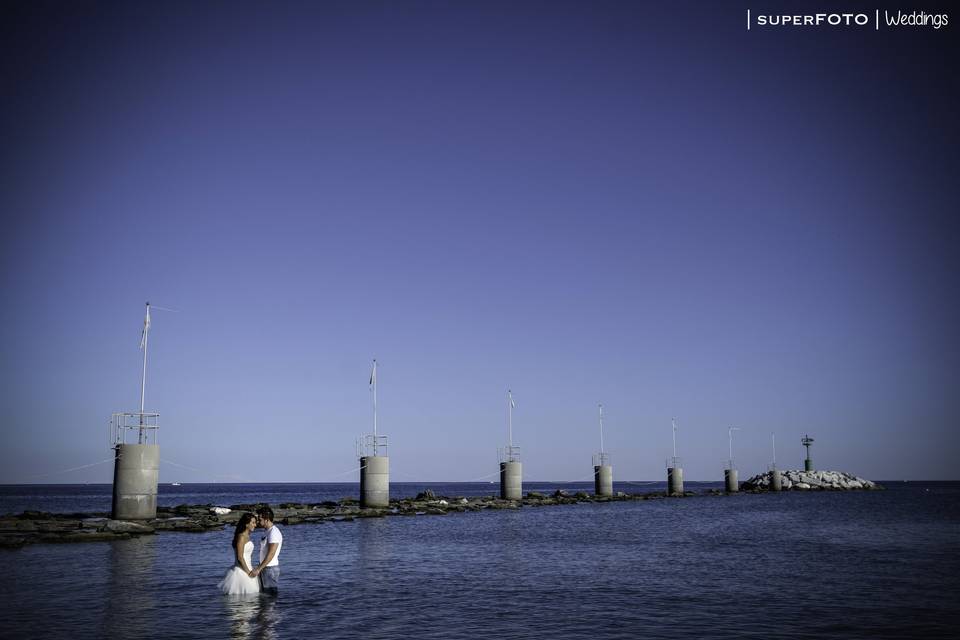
(265,512)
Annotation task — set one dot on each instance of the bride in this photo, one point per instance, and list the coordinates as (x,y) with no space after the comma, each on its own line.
(237,581)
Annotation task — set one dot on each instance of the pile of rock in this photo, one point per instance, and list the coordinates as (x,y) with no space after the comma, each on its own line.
(35,526)
(806,480)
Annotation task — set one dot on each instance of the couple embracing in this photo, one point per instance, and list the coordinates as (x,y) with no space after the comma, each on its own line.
(244,578)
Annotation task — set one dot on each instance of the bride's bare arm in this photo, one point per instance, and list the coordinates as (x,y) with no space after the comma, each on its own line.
(238,550)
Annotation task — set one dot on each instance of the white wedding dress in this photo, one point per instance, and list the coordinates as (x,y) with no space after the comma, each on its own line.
(237,582)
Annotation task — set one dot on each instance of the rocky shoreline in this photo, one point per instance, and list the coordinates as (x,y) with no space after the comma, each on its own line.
(32,527)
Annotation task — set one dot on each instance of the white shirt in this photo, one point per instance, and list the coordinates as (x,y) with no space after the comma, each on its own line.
(272,535)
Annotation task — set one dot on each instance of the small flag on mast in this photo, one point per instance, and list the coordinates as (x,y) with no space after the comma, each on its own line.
(373,374)
(513,405)
(146,328)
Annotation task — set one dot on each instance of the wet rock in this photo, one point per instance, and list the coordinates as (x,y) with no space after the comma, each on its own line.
(17,525)
(93,523)
(35,515)
(425,495)
(8,541)
(123,526)
(55,526)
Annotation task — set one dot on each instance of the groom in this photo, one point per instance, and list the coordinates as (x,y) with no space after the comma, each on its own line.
(270,544)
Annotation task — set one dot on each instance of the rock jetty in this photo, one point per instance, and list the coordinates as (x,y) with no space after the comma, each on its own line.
(797,480)
(33,526)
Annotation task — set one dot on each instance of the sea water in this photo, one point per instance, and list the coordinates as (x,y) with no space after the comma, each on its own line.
(797,564)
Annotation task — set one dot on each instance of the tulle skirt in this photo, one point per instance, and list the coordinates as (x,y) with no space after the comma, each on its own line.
(236,583)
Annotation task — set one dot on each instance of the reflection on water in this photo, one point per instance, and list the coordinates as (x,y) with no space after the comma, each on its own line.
(373,544)
(252,616)
(129,608)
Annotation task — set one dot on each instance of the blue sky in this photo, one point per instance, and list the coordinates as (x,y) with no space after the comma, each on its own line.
(608,202)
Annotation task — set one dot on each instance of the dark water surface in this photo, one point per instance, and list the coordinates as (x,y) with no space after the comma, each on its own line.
(798,565)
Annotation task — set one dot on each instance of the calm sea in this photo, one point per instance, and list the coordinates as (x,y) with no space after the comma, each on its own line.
(799,565)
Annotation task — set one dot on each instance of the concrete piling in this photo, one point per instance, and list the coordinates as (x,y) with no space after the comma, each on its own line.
(374,481)
(603,479)
(136,470)
(730,479)
(511,480)
(776,484)
(674,480)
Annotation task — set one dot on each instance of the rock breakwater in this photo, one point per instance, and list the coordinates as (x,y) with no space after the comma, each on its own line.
(38,527)
(797,480)
(33,526)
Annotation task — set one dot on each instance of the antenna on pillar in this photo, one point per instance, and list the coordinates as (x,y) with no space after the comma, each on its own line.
(143,378)
(730,473)
(776,483)
(730,436)
(673,423)
(136,468)
(674,470)
(374,466)
(602,470)
(511,470)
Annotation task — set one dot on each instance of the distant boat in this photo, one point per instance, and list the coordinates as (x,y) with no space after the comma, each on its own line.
(174,484)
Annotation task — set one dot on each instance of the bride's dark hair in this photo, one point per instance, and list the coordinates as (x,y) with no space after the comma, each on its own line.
(241,527)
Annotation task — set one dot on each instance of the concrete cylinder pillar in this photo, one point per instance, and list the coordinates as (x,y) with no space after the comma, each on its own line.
(808,465)
(511,481)
(374,481)
(674,481)
(603,479)
(730,478)
(136,470)
(776,484)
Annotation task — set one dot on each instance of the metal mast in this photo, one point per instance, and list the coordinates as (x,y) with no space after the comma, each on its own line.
(601,429)
(510,406)
(730,435)
(143,377)
(673,421)
(373,384)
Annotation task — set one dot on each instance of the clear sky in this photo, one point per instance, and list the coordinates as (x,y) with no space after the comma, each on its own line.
(639,204)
